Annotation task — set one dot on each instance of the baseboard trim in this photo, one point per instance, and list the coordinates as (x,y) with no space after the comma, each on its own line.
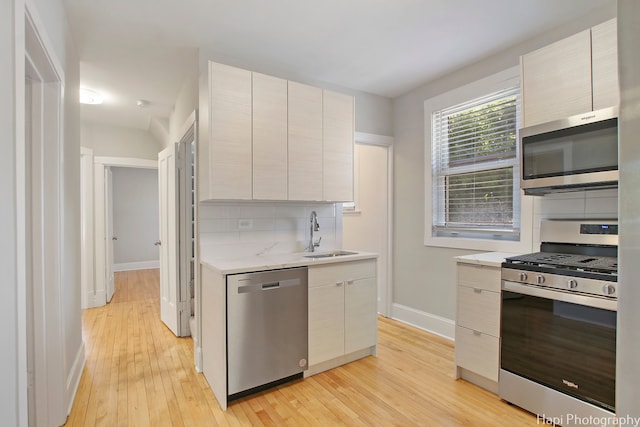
(141,265)
(96,300)
(432,323)
(73,380)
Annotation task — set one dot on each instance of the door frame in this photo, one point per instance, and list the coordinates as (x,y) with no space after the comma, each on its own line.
(39,226)
(387,142)
(96,296)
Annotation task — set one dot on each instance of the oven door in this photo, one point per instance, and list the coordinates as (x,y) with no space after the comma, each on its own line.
(563,341)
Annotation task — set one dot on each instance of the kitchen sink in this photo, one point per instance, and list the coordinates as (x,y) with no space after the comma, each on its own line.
(330,254)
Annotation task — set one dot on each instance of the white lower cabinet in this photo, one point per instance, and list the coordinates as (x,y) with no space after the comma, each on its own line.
(477,345)
(342,313)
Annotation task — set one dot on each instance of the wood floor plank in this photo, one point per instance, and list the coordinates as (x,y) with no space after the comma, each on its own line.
(137,373)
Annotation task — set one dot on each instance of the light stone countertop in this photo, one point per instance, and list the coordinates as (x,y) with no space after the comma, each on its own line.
(489,259)
(275,261)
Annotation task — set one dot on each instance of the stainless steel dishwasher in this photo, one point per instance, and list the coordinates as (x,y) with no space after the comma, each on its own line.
(267,337)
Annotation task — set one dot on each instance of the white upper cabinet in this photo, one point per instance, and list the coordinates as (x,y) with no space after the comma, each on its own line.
(305,142)
(556,80)
(266,138)
(604,45)
(269,138)
(338,134)
(229,160)
(572,76)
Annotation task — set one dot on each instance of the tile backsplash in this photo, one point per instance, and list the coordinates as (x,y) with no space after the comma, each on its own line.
(593,204)
(237,229)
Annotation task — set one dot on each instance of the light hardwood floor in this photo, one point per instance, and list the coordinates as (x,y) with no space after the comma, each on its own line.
(138,373)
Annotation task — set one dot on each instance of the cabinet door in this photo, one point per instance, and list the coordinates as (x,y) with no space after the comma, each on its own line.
(229,154)
(338,134)
(604,42)
(361,320)
(556,80)
(326,322)
(269,138)
(305,142)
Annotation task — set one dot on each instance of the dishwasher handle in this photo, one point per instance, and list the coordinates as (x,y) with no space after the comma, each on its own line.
(269,286)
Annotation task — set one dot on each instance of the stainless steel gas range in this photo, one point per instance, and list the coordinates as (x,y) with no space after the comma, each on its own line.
(558,325)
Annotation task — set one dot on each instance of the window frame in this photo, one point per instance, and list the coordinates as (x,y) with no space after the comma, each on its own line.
(469,240)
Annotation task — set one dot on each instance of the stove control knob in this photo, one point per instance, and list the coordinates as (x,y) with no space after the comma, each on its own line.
(572,284)
(539,279)
(523,276)
(608,289)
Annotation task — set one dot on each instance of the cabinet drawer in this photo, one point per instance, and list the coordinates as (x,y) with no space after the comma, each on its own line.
(479,276)
(341,272)
(479,309)
(477,352)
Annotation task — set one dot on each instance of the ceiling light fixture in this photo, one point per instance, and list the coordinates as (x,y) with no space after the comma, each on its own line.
(91,97)
(142,103)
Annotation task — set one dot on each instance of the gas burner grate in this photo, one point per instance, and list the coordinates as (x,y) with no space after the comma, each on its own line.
(597,264)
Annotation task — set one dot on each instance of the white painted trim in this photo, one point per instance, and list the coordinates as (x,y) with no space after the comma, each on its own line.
(187,125)
(100,268)
(21,392)
(141,265)
(373,139)
(87,223)
(426,321)
(73,379)
(126,162)
(49,332)
(97,299)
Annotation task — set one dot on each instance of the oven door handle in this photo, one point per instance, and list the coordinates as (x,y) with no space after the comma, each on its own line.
(573,298)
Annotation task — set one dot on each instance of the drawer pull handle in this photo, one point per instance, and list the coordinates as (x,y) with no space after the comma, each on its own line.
(477,290)
(339,283)
(477,333)
(349,282)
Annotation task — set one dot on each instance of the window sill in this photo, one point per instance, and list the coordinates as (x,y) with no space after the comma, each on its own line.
(354,212)
(486,245)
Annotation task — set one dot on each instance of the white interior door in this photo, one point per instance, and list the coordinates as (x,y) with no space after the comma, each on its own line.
(367,228)
(170,295)
(109,233)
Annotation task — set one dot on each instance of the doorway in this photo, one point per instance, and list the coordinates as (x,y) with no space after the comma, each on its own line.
(46,382)
(97,207)
(367,222)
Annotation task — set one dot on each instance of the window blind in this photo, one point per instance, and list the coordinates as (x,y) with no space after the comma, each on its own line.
(475,168)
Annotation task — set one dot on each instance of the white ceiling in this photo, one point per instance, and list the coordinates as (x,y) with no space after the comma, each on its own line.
(143,49)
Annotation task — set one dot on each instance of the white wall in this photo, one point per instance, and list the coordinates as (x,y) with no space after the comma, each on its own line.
(116,141)
(186,103)
(232,230)
(12,307)
(9,304)
(424,277)
(135,218)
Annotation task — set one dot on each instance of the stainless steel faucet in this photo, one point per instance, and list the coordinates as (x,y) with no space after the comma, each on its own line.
(313,226)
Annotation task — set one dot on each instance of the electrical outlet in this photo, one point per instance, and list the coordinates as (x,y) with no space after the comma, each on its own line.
(245,224)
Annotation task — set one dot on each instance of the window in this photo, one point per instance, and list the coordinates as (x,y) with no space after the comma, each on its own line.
(474,166)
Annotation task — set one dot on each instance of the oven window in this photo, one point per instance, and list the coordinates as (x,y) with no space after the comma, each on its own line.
(567,347)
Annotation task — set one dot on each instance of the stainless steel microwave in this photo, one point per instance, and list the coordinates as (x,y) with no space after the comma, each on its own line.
(577,153)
